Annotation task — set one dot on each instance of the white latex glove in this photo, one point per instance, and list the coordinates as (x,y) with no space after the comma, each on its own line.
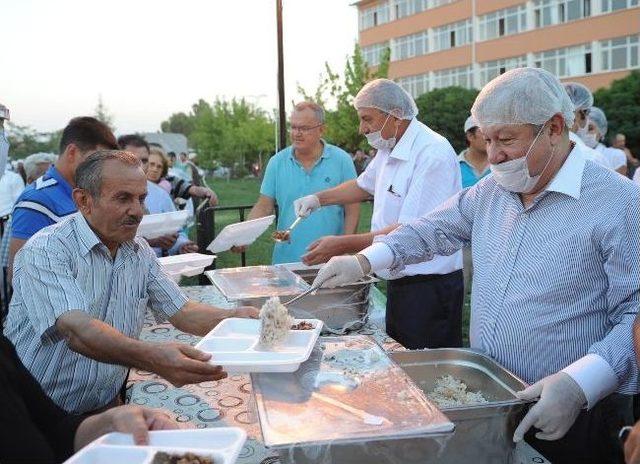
(561,400)
(304,206)
(340,270)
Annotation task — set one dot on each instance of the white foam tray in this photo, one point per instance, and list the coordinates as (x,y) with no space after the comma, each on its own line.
(156,225)
(188,264)
(240,234)
(223,444)
(234,345)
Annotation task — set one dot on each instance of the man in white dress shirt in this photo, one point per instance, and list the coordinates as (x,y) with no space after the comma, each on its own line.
(414,171)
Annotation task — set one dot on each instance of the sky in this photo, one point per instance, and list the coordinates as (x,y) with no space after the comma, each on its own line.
(149,59)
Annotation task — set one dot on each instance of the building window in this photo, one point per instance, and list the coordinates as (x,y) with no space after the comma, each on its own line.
(489,70)
(550,12)
(613,5)
(452,35)
(502,22)
(566,62)
(415,85)
(410,7)
(412,45)
(454,76)
(374,16)
(373,53)
(620,53)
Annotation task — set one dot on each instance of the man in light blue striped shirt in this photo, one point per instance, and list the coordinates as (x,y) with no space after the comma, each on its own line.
(555,240)
(81,288)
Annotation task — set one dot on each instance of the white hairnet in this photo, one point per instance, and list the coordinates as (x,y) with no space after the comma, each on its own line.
(599,119)
(580,96)
(388,97)
(522,96)
(470,123)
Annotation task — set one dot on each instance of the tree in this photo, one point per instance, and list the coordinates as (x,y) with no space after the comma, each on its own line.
(227,132)
(621,103)
(102,113)
(335,94)
(179,123)
(445,110)
(26,141)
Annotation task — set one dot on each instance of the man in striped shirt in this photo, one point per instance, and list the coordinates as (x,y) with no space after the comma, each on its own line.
(81,289)
(556,248)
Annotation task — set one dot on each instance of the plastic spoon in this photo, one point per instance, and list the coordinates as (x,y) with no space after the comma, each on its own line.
(285,235)
(369,419)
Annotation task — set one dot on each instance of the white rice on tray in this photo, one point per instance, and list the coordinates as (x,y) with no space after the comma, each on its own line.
(275,322)
(451,392)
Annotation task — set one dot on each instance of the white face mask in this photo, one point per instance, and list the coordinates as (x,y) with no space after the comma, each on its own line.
(514,175)
(376,141)
(589,139)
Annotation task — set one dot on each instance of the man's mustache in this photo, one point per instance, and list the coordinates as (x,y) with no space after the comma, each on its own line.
(132,221)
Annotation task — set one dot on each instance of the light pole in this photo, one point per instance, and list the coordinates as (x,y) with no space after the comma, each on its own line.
(282,123)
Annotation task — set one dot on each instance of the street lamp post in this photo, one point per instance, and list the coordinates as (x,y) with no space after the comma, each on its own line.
(282,122)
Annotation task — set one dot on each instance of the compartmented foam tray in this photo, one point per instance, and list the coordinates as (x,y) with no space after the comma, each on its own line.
(222,445)
(234,345)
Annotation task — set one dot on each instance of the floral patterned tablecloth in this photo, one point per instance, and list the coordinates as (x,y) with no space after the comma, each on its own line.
(227,402)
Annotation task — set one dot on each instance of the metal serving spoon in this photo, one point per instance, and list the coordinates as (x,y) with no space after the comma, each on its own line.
(285,235)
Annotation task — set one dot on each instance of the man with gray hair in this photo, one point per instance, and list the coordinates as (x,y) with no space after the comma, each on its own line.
(414,171)
(37,164)
(309,165)
(556,251)
(81,290)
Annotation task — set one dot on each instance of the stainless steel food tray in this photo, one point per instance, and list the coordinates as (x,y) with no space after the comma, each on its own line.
(484,432)
(256,282)
(304,408)
(341,309)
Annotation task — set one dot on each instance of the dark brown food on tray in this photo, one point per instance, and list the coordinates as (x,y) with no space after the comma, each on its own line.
(281,235)
(187,458)
(302,325)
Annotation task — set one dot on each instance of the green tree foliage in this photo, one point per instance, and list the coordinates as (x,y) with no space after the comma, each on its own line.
(445,110)
(227,132)
(621,104)
(26,141)
(335,94)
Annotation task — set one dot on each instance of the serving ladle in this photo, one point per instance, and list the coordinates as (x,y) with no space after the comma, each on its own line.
(285,235)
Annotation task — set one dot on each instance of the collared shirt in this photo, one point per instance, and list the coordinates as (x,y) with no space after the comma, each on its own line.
(67,268)
(469,174)
(418,175)
(11,186)
(556,285)
(286,180)
(615,157)
(44,202)
(159,201)
(588,152)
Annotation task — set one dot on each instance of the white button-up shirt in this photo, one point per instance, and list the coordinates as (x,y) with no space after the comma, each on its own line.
(419,174)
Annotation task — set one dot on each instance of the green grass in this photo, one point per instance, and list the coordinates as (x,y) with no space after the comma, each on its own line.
(245,192)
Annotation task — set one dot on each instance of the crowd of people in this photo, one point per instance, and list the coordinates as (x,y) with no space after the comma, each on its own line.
(536,218)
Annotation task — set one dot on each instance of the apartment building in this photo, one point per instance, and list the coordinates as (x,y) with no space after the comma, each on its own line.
(438,43)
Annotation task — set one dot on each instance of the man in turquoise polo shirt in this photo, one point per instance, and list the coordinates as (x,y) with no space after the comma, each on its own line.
(309,165)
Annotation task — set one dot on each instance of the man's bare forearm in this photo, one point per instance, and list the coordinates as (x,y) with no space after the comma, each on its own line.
(351,218)
(358,242)
(263,207)
(344,194)
(199,318)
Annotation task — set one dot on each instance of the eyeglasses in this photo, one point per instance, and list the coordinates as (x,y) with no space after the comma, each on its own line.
(304,129)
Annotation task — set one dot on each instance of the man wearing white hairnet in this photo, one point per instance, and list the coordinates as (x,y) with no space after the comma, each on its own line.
(556,252)
(597,126)
(413,172)
(582,100)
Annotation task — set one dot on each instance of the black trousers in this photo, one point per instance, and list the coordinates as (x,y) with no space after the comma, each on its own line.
(425,311)
(593,438)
